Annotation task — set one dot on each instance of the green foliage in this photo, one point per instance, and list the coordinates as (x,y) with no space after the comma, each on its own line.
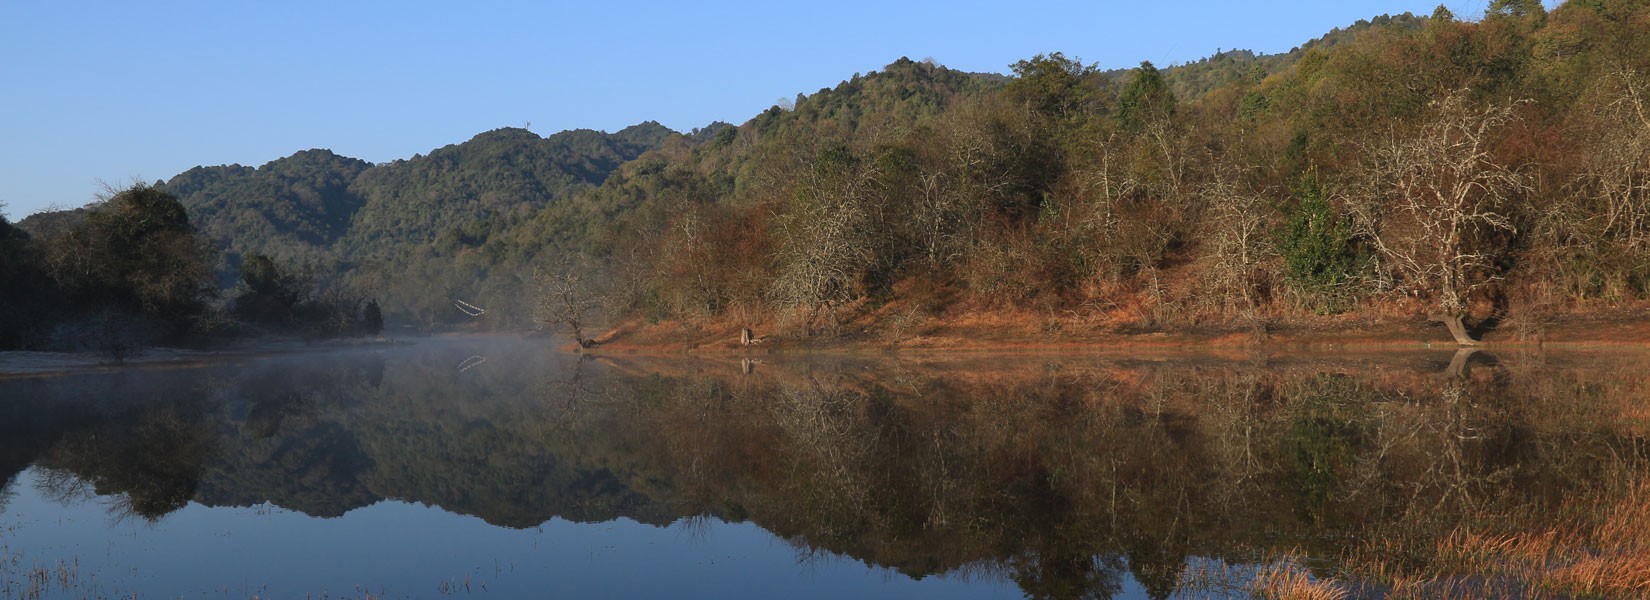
(1317,243)
(285,300)
(292,209)
(24,282)
(1054,86)
(1322,442)
(1515,8)
(1146,99)
(137,252)
(1093,195)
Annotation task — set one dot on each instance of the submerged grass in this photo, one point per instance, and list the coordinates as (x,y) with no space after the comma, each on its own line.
(1603,553)
(1610,559)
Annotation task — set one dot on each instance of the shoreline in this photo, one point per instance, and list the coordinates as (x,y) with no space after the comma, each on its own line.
(20,364)
(971,336)
(1006,335)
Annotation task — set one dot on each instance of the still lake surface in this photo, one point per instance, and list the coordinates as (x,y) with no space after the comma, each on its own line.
(478,467)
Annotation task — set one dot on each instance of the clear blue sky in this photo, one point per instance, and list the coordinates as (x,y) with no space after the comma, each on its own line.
(114,91)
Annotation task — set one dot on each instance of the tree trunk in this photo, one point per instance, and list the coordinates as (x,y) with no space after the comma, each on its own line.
(746,337)
(1457,329)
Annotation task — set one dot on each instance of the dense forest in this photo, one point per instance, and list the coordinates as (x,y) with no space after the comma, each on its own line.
(1479,173)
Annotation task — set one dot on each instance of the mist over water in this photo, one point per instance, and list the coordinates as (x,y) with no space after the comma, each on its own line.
(504,467)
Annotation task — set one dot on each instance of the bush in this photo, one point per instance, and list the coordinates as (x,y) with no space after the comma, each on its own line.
(1320,254)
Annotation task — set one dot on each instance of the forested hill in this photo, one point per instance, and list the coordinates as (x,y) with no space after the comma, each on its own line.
(1225,68)
(292,209)
(1482,173)
(304,207)
(1479,173)
(460,192)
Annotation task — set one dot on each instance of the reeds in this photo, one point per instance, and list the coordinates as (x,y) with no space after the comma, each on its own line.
(1288,579)
(1595,554)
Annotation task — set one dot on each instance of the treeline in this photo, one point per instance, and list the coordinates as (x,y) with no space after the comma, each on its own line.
(131,271)
(419,233)
(1471,172)
(1487,173)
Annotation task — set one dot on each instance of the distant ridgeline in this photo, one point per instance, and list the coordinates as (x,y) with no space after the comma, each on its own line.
(1474,172)
(416,233)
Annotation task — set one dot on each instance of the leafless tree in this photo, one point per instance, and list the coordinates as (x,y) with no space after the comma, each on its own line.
(826,239)
(1595,233)
(1616,178)
(569,297)
(1617,175)
(1239,242)
(1432,208)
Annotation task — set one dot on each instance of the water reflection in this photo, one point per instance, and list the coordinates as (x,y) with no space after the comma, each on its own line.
(1071,478)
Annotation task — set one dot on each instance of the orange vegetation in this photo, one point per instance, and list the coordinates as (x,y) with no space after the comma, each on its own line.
(897,327)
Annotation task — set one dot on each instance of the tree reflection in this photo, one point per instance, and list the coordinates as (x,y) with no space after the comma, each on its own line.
(1065,477)
(151,461)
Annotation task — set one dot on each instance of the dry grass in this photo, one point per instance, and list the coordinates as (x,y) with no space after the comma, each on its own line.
(1604,557)
(1288,579)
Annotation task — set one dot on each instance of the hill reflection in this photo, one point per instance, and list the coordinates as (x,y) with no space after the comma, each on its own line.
(1064,475)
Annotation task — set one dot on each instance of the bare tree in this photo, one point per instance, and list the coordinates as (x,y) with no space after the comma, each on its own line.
(826,240)
(1239,243)
(1432,206)
(1594,236)
(1618,170)
(569,297)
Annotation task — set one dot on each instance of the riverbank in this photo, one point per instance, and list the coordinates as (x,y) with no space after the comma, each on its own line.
(22,363)
(1015,332)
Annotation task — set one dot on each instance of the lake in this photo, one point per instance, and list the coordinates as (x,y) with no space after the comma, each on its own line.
(503,468)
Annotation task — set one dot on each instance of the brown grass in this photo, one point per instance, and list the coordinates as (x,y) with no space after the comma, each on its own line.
(918,325)
(1288,580)
(1609,558)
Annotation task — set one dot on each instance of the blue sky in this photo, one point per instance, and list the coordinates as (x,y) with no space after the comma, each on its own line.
(116,91)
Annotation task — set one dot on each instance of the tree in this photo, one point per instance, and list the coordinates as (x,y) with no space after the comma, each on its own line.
(1146,99)
(1618,173)
(372,318)
(826,235)
(1434,206)
(1515,8)
(1238,244)
(1053,85)
(136,252)
(273,293)
(1316,242)
(568,297)
(20,276)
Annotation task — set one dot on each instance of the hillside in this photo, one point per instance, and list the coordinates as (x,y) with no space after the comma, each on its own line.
(456,194)
(1482,175)
(1479,174)
(292,209)
(1224,68)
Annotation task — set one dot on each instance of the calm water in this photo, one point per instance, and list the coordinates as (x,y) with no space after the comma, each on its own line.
(504,469)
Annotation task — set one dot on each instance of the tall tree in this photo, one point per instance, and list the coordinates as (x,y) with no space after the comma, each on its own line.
(1146,99)
(1054,85)
(1436,210)
(1515,8)
(138,252)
